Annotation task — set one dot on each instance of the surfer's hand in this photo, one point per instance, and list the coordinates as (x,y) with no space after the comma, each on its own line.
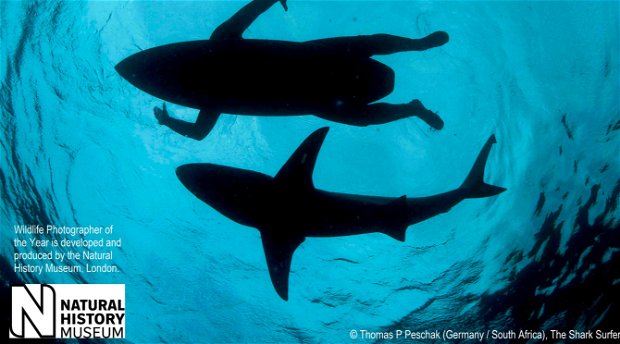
(161,114)
(283,2)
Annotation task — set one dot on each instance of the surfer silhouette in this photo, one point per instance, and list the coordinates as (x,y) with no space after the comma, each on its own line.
(334,78)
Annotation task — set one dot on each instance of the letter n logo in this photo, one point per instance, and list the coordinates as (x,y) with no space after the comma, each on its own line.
(33,311)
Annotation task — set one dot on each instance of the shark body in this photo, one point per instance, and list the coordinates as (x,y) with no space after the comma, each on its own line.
(287,208)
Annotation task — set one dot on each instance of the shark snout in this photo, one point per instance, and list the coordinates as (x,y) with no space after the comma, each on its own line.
(189,174)
(198,178)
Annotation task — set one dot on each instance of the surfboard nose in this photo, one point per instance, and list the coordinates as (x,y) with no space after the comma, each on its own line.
(142,70)
(127,69)
(156,73)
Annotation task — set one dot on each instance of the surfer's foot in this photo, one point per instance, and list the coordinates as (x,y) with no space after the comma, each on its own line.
(436,39)
(284,5)
(161,115)
(428,116)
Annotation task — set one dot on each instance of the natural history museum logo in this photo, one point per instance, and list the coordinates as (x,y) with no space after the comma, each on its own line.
(68,311)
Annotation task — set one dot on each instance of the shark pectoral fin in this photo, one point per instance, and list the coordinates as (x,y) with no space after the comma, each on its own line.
(279,251)
(297,171)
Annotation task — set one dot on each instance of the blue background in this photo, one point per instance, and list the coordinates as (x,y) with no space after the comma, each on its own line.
(80,146)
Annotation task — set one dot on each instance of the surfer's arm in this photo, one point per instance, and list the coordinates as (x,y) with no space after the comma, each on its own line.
(234,27)
(161,114)
(197,131)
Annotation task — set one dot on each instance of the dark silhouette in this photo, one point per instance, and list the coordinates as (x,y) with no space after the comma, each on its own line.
(333,78)
(287,208)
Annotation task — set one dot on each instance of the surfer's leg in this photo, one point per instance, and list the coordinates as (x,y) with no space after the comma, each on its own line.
(381,113)
(234,27)
(197,131)
(382,44)
(384,112)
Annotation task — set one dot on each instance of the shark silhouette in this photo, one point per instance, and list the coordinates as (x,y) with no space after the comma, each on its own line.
(333,78)
(288,208)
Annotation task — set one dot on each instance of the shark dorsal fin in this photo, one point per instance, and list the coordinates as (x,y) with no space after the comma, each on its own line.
(400,201)
(297,171)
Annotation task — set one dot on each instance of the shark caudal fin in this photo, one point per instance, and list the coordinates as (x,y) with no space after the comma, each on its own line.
(474,185)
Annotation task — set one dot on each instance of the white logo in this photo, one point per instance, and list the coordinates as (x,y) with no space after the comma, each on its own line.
(68,311)
(33,312)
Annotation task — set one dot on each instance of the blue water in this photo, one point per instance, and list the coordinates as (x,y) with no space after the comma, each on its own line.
(80,146)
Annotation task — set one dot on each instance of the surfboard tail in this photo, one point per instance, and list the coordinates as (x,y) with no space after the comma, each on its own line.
(474,185)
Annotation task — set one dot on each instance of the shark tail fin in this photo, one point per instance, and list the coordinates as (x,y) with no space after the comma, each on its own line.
(474,185)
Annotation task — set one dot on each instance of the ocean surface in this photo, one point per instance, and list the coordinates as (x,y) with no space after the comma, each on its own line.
(79,146)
